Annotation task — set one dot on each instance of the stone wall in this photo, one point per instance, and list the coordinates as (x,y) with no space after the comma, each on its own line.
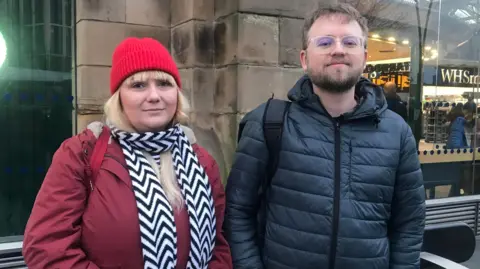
(100,26)
(257,45)
(232,54)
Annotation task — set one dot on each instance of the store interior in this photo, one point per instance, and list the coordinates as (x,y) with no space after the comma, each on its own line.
(445,84)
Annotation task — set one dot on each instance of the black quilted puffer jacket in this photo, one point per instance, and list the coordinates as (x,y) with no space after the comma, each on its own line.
(348,192)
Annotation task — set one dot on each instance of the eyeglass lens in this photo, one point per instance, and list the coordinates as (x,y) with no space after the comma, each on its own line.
(327,43)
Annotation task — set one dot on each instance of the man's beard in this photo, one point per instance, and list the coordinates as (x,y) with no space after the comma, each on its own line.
(327,83)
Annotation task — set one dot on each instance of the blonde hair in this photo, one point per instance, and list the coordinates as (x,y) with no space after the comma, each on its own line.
(165,172)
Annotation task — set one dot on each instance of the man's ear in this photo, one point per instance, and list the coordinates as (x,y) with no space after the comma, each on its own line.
(366,59)
(303,59)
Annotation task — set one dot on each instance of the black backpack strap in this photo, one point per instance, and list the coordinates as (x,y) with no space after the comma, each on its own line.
(273,119)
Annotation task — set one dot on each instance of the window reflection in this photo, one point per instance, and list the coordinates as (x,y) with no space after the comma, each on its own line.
(35,101)
(431,55)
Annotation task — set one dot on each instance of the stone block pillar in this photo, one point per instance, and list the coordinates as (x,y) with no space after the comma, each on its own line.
(192,28)
(100,26)
(257,46)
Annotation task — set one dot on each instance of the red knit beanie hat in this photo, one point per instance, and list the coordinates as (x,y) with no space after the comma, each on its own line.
(133,55)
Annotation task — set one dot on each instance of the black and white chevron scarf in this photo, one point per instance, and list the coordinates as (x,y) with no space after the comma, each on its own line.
(157,226)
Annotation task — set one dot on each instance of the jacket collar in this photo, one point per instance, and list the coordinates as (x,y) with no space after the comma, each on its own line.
(372,100)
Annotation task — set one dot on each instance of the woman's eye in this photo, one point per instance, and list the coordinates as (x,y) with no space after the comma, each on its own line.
(164,83)
(138,85)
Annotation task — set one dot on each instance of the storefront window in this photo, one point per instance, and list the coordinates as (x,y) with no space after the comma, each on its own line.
(35,100)
(430,51)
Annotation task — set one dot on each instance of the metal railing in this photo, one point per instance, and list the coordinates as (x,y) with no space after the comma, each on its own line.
(454,209)
(11,256)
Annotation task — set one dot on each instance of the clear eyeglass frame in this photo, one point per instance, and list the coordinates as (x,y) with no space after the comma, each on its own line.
(357,44)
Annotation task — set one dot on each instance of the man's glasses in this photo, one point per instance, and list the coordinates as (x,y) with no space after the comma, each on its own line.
(326,44)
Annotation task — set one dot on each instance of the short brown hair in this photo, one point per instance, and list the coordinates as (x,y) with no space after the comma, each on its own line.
(333,9)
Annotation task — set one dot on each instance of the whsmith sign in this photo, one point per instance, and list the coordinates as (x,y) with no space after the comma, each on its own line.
(433,76)
(460,77)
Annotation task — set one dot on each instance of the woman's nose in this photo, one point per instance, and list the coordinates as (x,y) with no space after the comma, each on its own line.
(153,94)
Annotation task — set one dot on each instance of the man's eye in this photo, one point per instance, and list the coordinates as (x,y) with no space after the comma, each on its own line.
(323,42)
(350,42)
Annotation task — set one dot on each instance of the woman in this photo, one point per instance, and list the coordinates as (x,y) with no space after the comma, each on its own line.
(456,134)
(157,201)
(462,120)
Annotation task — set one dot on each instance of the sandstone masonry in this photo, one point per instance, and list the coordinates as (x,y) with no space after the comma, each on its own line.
(232,55)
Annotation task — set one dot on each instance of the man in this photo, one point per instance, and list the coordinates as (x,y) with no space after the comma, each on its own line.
(394,102)
(347,192)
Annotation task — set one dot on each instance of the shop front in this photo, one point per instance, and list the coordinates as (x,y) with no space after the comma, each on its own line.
(430,50)
(436,74)
(447,89)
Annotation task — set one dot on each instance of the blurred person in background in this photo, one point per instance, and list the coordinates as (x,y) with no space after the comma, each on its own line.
(394,101)
(461,127)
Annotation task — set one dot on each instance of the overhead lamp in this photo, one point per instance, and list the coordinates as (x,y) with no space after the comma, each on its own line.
(3,49)
(405,42)
(392,39)
(376,36)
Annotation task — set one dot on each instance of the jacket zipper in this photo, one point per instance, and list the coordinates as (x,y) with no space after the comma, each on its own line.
(88,169)
(336,197)
(350,168)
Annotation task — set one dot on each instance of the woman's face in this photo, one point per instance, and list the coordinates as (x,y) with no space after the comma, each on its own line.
(149,100)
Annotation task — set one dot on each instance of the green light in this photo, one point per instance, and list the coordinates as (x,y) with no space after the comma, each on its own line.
(3,49)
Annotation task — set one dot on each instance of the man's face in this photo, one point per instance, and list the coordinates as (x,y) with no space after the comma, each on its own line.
(335,56)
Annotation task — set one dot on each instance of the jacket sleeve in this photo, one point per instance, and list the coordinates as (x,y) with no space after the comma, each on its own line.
(221,259)
(243,183)
(408,208)
(52,234)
